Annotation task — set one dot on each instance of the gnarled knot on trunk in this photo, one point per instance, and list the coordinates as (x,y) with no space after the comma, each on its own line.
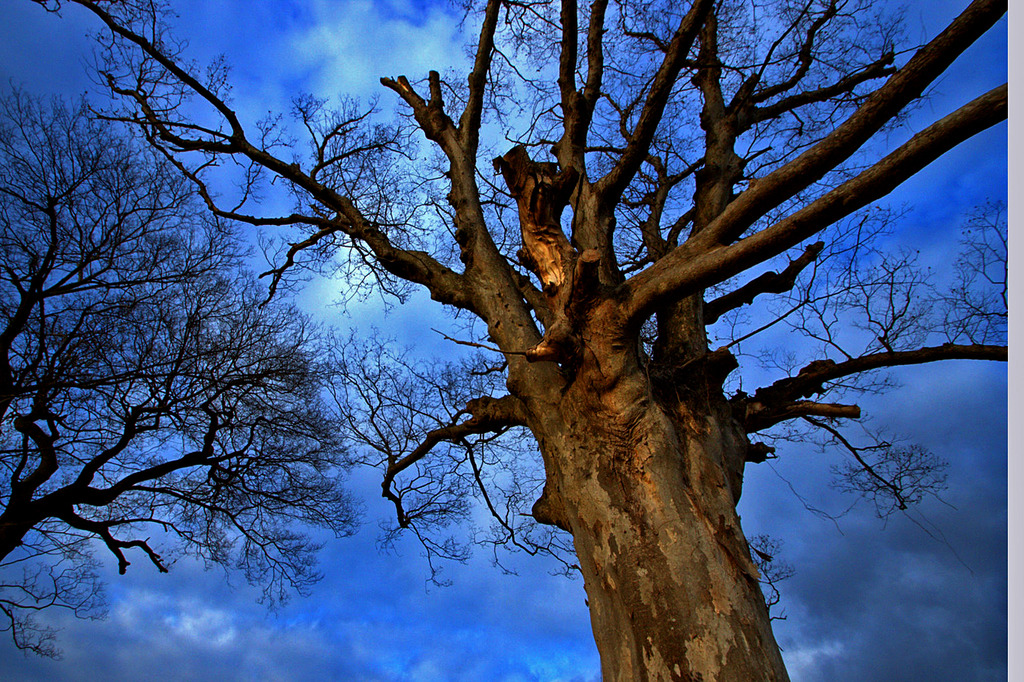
(709,369)
(487,412)
(558,344)
(546,511)
(569,306)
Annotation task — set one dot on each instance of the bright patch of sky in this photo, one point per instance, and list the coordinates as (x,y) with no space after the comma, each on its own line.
(349,46)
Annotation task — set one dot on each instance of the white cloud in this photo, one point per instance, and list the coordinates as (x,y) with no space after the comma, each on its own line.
(186,619)
(204,625)
(805,662)
(351,45)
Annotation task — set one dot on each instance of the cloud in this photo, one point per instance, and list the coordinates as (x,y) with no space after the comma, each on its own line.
(804,660)
(372,619)
(351,45)
(921,596)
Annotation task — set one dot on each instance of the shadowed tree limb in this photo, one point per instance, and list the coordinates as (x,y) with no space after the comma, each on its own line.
(881,106)
(878,69)
(102,530)
(805,57)
(611,186)
(759,416)
(469,122)
(488,415)
(578,105)
(768,283)
(811,379)
(696,264)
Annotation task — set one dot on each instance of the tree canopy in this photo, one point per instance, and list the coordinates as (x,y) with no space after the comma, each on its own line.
(144,389)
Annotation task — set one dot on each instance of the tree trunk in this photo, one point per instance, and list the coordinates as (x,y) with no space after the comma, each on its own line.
(647,484)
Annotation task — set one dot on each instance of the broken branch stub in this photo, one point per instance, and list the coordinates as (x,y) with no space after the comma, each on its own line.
(541,193)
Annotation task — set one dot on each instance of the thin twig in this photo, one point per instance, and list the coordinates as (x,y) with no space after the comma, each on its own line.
(477,345)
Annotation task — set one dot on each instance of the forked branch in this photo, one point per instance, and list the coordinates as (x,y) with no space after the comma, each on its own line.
(638,145)
(488,415)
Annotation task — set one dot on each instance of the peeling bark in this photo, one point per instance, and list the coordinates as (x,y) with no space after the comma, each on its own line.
(644,485)
(541,193)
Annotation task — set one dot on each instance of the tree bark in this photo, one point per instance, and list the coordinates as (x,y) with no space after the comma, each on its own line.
(646,480)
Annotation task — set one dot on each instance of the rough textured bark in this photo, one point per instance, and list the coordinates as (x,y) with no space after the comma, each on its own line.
(647,482)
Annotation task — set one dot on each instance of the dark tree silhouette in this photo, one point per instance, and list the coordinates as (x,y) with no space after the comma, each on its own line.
(144,392)
(764,550)
(668,164)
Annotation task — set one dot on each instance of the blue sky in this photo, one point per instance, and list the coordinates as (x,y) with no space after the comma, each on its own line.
(869,601)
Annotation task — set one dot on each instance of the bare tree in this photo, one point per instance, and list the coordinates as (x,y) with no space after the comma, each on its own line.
(143,389)
(711,155)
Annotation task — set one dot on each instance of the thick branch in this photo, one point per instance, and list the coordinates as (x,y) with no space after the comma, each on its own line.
(415,266)
(469,123)
(595,55)
(760,416)
(638,145)
(23,488)
(117,547)
(444,284)
(578,105)
(880,107)
(805,56)
(166,62)
(429,114)
(722,166)
(811,378)
(698,264)
(568,54)
(768,283)
(477,248)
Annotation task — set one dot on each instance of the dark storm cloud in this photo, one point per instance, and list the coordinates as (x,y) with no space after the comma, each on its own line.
(893,608)
(920,596)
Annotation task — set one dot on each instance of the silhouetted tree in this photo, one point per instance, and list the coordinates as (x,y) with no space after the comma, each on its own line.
(143,390)
(696,146)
